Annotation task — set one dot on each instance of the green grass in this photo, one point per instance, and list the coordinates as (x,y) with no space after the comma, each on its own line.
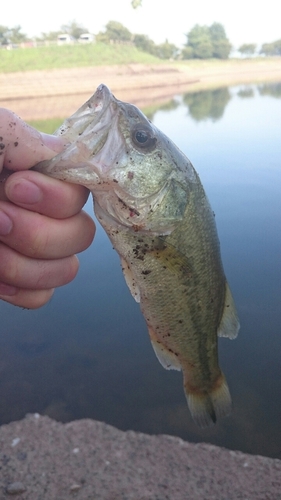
(47,126)
(52,124)
(95,54)
(71,56)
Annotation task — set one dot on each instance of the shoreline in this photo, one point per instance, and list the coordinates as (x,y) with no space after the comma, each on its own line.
(57,93)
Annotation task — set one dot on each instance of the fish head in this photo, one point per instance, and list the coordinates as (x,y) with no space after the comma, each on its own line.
(137,176)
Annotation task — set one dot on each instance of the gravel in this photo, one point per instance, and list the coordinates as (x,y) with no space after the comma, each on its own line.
(44,459)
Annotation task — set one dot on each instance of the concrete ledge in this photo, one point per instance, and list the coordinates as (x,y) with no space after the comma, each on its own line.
(43,459)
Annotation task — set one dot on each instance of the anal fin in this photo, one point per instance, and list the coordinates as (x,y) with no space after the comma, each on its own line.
(229,325)
(167,358)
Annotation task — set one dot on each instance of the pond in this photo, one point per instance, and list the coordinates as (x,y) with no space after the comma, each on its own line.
(87,354)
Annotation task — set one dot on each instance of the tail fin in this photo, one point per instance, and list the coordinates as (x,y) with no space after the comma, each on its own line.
(205,407)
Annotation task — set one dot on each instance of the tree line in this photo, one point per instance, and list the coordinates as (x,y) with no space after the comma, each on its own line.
(202,42)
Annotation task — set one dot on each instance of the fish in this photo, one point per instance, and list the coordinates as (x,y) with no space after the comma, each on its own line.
(149,199)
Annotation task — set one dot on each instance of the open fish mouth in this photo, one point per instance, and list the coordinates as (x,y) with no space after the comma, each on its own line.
(101,97)
(85,133)
(90,114)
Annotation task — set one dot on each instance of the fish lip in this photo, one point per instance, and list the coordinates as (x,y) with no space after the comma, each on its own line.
(98,104)
(103,94)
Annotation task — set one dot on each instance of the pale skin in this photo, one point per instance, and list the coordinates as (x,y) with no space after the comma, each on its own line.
(42,224)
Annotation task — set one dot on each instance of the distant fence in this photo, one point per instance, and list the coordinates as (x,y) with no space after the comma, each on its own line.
(49,43)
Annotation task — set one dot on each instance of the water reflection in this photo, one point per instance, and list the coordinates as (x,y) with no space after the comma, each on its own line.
(201,105)
(246,92)
(272,89)
(208,104)
(87,353)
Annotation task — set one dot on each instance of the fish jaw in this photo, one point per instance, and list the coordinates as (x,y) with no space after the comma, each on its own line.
(88,115)
(84,133)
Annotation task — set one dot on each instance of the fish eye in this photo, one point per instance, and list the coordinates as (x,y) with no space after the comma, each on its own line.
(143,137)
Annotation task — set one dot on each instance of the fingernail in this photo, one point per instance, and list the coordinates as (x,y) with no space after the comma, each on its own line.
(7,290)
(6,224)
(24,191)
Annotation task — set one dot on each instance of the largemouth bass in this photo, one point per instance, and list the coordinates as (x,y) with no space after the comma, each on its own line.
(150,201)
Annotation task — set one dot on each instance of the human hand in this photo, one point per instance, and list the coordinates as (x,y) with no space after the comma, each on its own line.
(42,224)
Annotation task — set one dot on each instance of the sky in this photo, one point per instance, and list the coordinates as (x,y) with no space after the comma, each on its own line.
(245,21)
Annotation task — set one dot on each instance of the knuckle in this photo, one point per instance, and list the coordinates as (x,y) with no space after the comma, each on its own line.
(9,271)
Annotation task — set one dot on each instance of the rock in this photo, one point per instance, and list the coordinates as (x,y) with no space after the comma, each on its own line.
(15,488)
(75,487)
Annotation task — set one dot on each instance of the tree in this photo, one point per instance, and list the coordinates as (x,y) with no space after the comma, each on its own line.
(116,32)
(11,35)
(247,49)
(4,37)
(144,43)
(50,36)
(220,42)
(73,29)
(136,3)
(200,41)
(277,47)
(187,52)
(205,42)
(166,50)
(271,49)
(267,49)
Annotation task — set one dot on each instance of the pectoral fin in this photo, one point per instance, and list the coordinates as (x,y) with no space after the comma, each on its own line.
(229,325)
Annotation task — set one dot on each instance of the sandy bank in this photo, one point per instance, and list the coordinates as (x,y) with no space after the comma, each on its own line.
(58,93)
(43,459)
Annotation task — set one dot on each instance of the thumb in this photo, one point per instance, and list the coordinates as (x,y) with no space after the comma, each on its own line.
(22,146)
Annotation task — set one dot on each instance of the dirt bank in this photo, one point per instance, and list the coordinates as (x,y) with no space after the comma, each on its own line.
(58,93)
(89,460)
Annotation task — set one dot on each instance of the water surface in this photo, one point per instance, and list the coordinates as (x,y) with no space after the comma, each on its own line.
(87,353)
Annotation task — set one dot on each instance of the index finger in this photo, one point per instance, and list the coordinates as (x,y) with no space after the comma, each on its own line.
(22,146)
(37,192)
